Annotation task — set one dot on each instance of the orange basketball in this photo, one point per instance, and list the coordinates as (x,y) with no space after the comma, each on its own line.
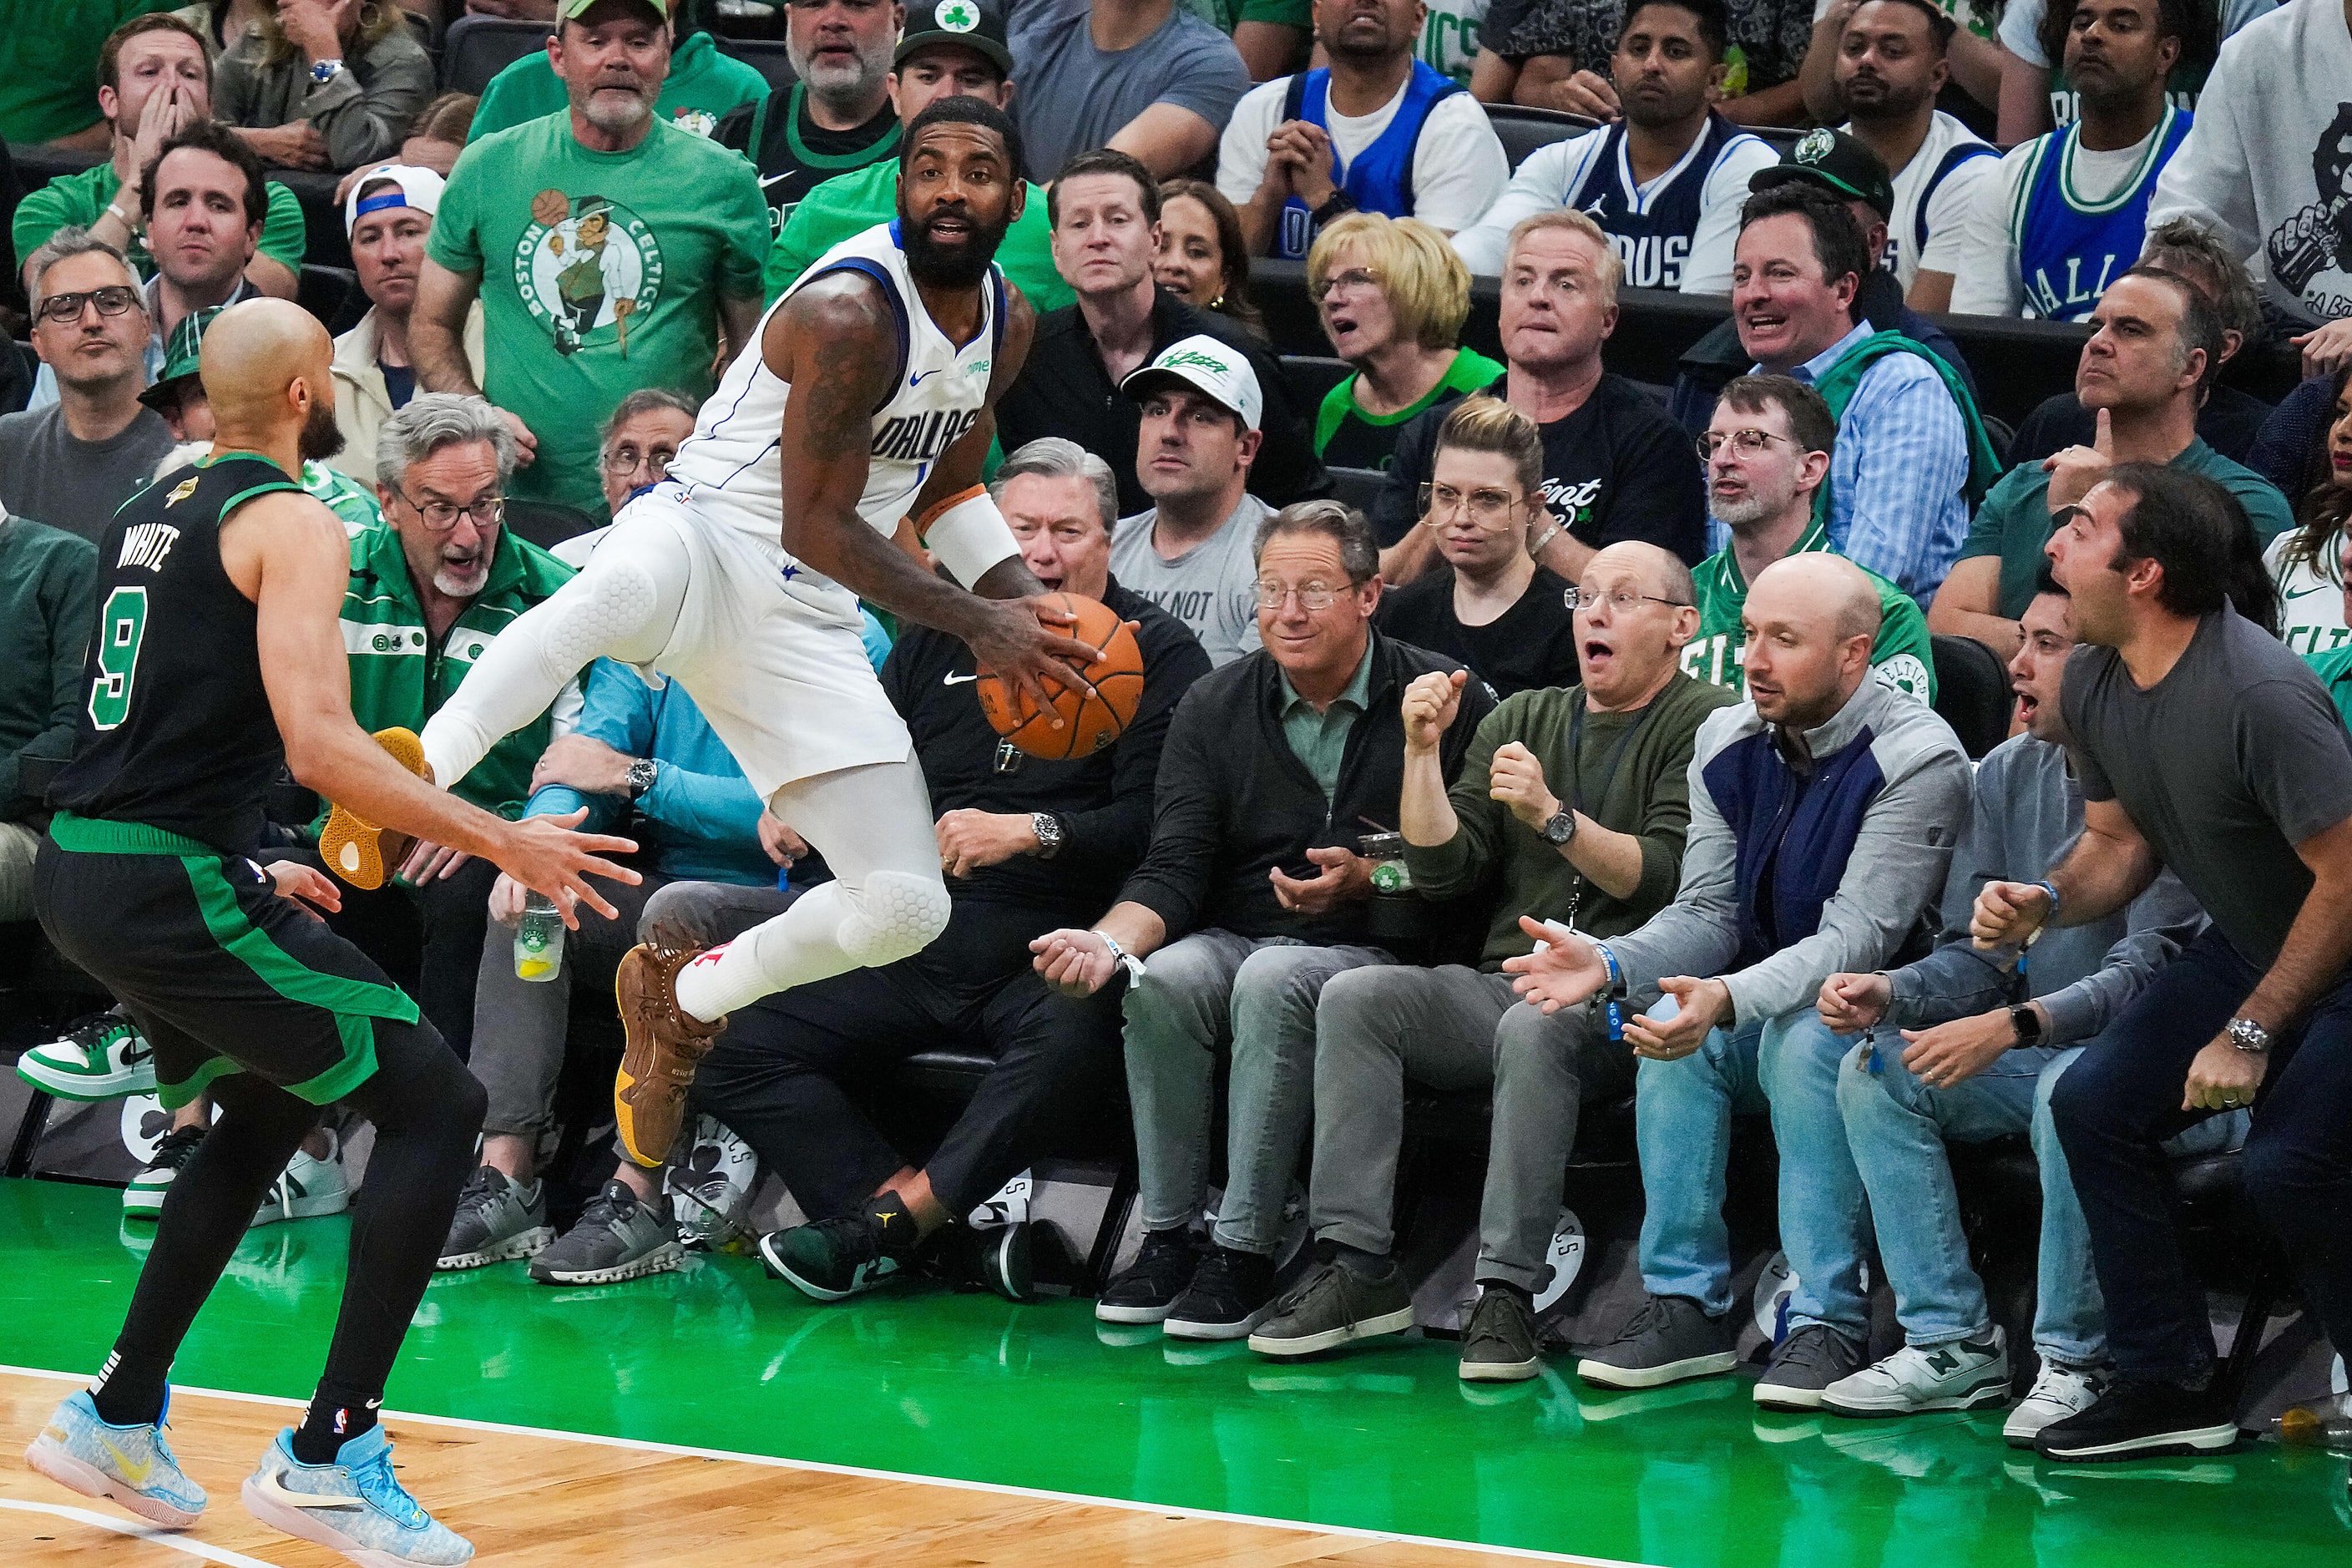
(1090,720)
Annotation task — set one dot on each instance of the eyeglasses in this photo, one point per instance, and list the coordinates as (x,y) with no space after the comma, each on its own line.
(1489,510)
(1746,443)
(1621,601)
(1312,597)
(111,300)
(440,516)
(1354,278)
(627,459)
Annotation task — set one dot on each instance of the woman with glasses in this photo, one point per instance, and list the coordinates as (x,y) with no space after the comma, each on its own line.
(1392,296)
(1490,606)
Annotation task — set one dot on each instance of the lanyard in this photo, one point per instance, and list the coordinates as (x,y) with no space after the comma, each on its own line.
(1608,778)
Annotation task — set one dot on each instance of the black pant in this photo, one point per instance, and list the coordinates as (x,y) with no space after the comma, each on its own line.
(429,940)
(774,1076)
(2122,1100)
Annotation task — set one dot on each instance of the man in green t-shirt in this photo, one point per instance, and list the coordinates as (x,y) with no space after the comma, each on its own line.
(698,87)
(935,60)
(1768,451)
(610,251)
(2155,347)
(155,80)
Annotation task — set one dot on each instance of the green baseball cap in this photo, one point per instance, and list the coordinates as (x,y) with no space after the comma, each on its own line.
(569,10)
(182,358)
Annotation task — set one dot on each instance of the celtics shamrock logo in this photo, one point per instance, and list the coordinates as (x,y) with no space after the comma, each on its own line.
(1815,146)
(588,269)
(958,16)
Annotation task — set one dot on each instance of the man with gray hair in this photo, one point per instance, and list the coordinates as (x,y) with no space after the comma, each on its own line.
(428,591)
(640,438)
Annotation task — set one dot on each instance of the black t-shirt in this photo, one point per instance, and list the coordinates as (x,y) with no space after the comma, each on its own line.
(794,153)
(1617,469)
(1531,644)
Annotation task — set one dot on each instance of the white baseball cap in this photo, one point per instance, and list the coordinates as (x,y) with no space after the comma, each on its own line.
(1216,368)
(413,186)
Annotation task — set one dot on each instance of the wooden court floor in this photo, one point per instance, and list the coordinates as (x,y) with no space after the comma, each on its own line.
(534,1499)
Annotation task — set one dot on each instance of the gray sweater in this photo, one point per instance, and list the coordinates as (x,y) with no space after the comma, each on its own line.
(363,111)
(1894,865)
(2028,810)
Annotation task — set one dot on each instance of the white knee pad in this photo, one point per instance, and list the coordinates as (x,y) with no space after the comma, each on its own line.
(895,915)
(599,612)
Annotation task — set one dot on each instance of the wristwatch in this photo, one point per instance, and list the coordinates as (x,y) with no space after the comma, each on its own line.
(2248,1037)
(324,72)
(641,775)
(1559,830)
(2028,1025)
(1048,829)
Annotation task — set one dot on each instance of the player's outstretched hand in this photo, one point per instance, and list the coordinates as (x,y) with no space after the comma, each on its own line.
(545,855)
(1026,643)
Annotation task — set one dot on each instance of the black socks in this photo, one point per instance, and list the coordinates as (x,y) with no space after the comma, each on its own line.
(130,1388)
(336,1417)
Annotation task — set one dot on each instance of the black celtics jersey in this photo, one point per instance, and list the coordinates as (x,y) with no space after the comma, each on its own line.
(177,732)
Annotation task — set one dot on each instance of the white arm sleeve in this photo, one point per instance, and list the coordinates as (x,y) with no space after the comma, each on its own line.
(2020,32)
(968,538)
(2209,178)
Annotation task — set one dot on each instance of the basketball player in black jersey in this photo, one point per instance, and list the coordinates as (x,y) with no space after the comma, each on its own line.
(218,660)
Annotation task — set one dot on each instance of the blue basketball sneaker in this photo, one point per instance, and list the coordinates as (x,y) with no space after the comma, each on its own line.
(355,1505)
(128,1465)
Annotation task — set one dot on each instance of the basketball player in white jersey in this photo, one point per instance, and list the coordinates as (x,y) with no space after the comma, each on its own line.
(867,395)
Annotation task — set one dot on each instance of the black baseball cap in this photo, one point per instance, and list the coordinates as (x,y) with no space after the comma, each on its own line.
(1837,163)
(967,23)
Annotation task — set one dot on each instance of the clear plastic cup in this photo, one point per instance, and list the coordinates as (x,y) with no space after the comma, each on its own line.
(539,939)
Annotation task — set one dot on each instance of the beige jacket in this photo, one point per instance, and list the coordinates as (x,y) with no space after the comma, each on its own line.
(362,403)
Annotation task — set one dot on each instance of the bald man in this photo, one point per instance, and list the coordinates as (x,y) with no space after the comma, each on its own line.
(1822,815)
(1573,801)
(219,662)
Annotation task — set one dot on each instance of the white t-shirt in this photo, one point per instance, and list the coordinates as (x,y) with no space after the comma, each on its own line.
(2311,598)
(1458,165)
(1948,207)
(2274,108)
(1985,279)
(1553,174)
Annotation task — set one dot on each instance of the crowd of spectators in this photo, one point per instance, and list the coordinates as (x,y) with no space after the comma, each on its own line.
(1394,811)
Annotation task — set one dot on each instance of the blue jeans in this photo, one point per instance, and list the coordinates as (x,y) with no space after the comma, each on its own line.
(1683,1112)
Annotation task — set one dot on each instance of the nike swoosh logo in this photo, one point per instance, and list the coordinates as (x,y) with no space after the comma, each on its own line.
(133,1473)
(916,379)
(275,1490)
(959,679)
(2306,592)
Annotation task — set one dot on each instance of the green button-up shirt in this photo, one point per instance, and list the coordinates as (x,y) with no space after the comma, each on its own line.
(1321,739)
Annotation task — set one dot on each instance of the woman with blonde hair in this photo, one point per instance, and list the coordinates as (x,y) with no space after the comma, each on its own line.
(1392,296)
(324,84)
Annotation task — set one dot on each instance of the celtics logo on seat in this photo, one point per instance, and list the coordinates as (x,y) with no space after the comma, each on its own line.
(589,268)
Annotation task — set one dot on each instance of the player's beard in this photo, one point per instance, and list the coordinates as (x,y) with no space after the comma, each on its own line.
(321,437)
(951,266)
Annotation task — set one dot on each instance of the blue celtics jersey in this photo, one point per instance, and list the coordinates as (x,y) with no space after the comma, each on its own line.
(1651,228)
(1379,178)
(2068,250)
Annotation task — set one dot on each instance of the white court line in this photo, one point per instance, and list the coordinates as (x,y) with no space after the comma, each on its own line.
(147,1533)
(998,1488)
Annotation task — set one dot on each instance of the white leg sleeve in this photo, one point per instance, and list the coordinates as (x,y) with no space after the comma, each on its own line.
(624,604)
(873,825)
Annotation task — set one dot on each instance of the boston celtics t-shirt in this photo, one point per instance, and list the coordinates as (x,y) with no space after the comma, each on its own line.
(1531,644)
(601,273)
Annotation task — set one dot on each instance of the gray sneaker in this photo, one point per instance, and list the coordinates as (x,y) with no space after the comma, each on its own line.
(1668,1339)
(1805,1364)
(1333,1305)
(497,1219)
(1499,1345)
(617,1238)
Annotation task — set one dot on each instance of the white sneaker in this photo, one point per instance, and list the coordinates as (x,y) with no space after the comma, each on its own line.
(2059,1392)
(100,1057)
(710,1189)
(1956,1375)
(307,1187)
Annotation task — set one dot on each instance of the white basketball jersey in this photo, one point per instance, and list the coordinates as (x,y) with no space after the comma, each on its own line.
(733,465)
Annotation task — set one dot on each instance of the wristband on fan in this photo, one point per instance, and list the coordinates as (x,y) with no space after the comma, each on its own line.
(1124,959)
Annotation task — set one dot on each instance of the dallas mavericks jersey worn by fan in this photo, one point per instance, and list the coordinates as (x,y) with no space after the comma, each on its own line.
(733,465)
(2067,250)
(1379,178)
(1651,228)
(176,732)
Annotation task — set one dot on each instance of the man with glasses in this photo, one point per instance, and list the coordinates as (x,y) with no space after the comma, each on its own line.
(1766,452)
(1571,805)
(71,464)
(1493,607)
(1252,896)
(640,438)
(427,594)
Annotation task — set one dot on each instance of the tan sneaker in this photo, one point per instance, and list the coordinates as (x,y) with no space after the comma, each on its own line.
(662,1045)
(353,846)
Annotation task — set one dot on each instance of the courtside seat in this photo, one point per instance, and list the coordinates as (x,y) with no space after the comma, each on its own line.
(1309,378)
(545,523)
(1358,488)
(1972,693)
(476,49)
(1522,130)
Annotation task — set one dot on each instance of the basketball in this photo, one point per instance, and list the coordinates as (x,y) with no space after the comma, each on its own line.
(1090,720)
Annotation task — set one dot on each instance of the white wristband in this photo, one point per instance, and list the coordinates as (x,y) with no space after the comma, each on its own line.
(971,537)
(1124,959)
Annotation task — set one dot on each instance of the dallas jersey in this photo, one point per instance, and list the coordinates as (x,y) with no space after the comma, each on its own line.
(1652,226)
(733,465)
(2069,250)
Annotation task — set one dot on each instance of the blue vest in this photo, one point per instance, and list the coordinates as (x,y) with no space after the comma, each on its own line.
(2067,255)
(1381,178)
(1793,834)
(1654,240)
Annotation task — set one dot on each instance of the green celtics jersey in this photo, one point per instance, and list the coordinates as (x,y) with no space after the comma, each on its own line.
(1905,658)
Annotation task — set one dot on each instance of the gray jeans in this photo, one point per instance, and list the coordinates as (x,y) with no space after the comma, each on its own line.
(705,914)
(1451,1028)
(1202,995)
